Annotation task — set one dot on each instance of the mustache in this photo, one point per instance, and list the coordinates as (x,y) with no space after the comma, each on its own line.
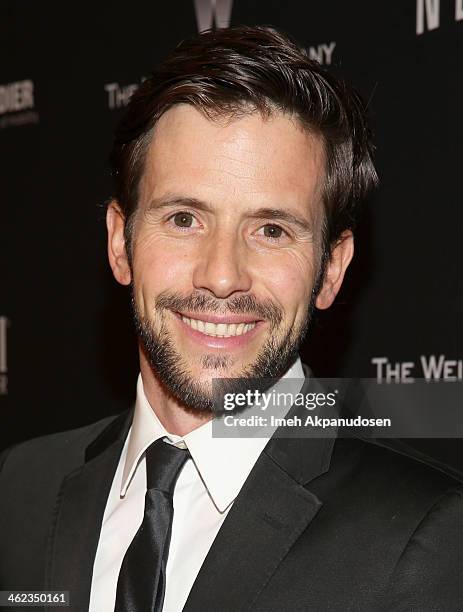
(241,304)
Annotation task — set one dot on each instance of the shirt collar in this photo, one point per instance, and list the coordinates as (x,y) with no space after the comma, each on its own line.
(223,463)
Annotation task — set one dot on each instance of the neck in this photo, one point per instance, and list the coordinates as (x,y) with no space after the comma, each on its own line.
(175,418)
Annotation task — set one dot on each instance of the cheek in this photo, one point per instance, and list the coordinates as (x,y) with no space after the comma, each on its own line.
(291,290)
(289,279)
(158,269)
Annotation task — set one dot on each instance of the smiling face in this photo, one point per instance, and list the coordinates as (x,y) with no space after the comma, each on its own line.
(226,248)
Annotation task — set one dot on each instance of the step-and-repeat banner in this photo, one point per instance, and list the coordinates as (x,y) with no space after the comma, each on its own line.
(67,351)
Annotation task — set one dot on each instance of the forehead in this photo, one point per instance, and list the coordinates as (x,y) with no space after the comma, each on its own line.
(270,160)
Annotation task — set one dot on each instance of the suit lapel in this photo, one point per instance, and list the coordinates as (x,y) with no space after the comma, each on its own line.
(270,513)
(79,513)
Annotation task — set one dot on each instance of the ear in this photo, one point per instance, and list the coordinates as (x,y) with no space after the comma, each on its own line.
(336,267)
(117,255)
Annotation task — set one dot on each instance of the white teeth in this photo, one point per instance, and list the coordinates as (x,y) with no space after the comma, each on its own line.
(209,329)
(221,330)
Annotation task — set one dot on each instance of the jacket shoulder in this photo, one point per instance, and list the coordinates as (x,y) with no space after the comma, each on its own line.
(31,480)
(57,451)
(388,475)
(424,501)
(408,460)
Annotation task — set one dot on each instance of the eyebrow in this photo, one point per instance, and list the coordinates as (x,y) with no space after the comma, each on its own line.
(276,214)
(168,202)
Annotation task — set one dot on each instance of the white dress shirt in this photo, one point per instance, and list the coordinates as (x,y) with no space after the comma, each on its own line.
(204,493)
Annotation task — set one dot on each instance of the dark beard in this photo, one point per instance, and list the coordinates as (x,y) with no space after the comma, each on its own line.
(167,364)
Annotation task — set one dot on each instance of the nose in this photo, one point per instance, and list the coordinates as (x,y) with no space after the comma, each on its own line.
(221,267)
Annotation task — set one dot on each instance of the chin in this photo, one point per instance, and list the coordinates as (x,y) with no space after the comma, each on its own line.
(215,365)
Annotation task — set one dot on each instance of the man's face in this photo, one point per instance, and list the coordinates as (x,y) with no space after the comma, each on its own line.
(226,248)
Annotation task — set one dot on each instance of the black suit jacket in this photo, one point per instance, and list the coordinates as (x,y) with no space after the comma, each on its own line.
(320,525)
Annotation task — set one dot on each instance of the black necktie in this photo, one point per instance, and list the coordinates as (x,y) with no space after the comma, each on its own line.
(141,583)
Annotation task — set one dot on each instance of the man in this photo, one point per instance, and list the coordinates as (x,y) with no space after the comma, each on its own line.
(240,167)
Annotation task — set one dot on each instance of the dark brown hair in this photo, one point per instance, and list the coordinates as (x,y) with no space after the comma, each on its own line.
(246,69)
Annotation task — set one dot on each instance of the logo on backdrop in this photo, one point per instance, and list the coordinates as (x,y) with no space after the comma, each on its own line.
(428,15)
(213,13)
(119,95)
(3,356)
(430,367)
(217,14)
(17,104)
(209,14)
(323,54)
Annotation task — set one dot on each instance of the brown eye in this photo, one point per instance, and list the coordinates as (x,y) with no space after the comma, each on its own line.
(272,231)
(183,219)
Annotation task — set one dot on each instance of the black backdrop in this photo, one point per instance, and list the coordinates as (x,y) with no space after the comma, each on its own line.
(67,353)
